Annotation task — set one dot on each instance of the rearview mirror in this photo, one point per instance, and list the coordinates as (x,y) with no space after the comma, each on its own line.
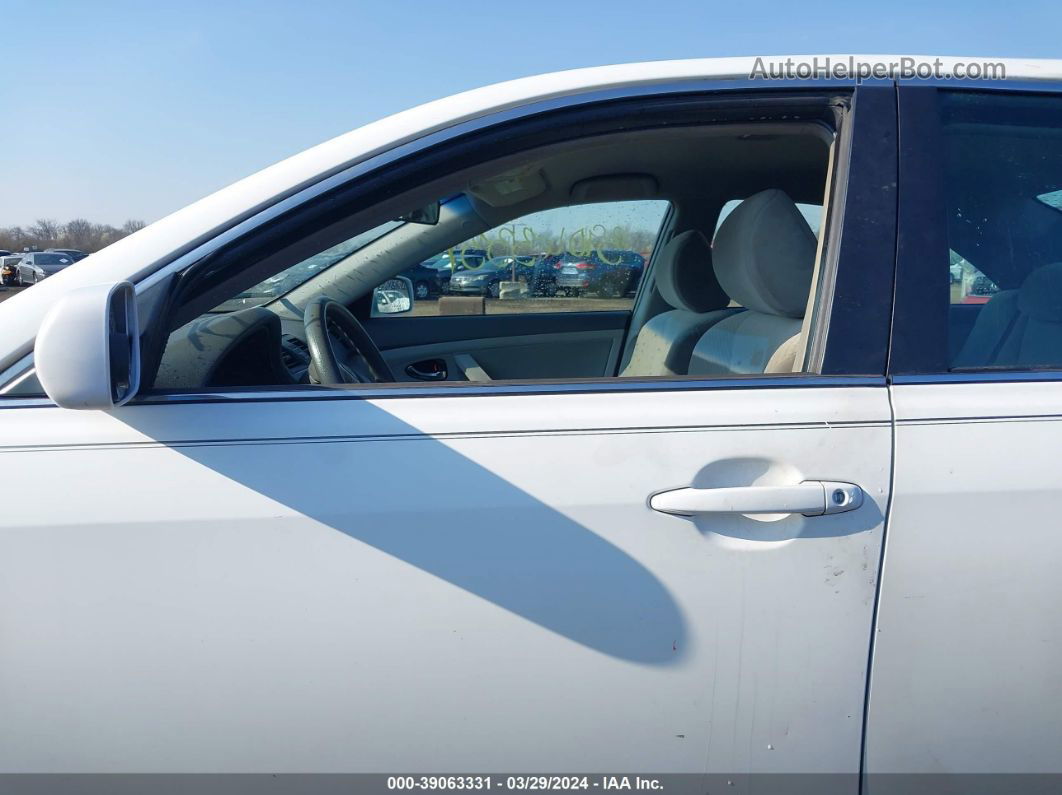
(428,214)
(393,297)
(87,353)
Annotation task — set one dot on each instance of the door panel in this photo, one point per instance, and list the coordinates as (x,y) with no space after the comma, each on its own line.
(587,354)
(438,583)
(969,633)
(517,346)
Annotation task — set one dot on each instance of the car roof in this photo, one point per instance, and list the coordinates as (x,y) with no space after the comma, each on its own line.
(138,255)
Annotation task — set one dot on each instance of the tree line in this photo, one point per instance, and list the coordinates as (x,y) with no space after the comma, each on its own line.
(520,239)
(79,233)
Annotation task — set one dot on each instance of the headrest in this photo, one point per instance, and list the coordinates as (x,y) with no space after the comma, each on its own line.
(684,276)
(764,254)
(1040,296)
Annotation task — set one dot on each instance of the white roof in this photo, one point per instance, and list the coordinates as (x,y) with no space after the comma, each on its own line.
(134,256)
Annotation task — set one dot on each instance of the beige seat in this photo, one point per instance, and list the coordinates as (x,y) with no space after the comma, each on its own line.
(685,281)
(764,256)
(1019,328)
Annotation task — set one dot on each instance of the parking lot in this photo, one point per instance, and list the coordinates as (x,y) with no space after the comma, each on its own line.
(496,306)
(7,292)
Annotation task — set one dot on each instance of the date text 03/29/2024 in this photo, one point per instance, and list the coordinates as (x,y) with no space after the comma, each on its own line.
(524,783)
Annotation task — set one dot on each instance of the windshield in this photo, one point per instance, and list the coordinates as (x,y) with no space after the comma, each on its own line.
(290,278)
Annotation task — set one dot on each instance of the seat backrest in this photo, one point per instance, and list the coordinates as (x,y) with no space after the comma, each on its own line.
(764,257)
(685,280)
(1019,328)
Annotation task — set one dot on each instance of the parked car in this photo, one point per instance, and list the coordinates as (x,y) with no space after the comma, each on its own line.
(787,520)
(486,279)
(453,261)
(4,252)
(9,269)
(543,276)
(38,265)
(610,273)
(427,280)
(75,254)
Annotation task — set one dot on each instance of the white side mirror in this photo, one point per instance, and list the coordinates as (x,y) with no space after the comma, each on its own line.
(87,353)
(393,297)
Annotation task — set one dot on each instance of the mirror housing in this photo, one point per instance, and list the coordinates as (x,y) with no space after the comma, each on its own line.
(87,353)
(428,214)
(393,297)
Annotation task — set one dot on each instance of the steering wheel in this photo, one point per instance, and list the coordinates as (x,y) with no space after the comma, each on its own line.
(341,351)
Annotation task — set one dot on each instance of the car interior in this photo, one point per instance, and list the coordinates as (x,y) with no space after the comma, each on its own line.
(719,296)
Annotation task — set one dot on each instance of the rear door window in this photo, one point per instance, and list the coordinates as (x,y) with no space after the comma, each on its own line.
(1003,184)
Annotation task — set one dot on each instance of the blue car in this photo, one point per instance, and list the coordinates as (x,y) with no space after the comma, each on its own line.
(609,273)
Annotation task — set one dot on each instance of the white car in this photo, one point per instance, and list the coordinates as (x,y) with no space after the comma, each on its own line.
(35,266)
(786,510)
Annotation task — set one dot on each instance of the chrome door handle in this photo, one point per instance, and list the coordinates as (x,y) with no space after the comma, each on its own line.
(811,498)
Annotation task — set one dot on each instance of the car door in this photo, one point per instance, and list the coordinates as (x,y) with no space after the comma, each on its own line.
(471,578)
(965,679)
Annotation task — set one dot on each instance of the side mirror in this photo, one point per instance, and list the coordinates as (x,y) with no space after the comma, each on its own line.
(393,297)
(87,353)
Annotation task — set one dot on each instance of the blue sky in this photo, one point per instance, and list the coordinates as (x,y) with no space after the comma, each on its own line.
(114,110)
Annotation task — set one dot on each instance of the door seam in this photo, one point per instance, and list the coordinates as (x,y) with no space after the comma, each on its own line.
(872,645)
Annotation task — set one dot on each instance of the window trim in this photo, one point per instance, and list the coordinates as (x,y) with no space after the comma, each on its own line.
(855,289)
(919,327)
(411,390)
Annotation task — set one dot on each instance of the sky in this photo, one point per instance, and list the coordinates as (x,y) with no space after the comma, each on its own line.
(116,110)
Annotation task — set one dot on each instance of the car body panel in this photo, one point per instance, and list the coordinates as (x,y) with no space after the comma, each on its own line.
(969,633)
(439,581)
(437,584)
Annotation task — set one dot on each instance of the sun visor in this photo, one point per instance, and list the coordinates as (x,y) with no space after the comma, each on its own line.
(510,188)
(615,187)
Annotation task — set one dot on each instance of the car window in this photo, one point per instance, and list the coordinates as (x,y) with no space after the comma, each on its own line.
(968,284)
(553,287)
(1003,183)
(51,259)
(581,258)
(291,277)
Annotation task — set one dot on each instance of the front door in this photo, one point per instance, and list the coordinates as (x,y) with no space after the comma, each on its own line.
(473,577)
(440,583)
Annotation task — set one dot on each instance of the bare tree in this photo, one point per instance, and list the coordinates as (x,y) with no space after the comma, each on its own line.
(79,233)
(46,231)
(13,238)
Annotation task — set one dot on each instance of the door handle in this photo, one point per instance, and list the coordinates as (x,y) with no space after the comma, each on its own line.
(428,370)
(811,498)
